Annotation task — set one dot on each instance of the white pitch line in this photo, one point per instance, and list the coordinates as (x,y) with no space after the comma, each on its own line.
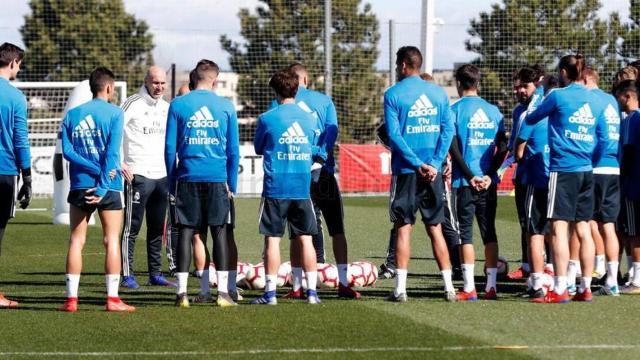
(326,350)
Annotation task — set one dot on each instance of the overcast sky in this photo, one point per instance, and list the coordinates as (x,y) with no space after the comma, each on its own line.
(188,30)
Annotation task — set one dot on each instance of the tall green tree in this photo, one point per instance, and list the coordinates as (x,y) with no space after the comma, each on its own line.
(518,32)
(631,45)
(66,39)
(281,32)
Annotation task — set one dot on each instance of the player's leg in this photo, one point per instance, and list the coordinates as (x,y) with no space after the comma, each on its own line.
(451,235)
(538,229)
(633,213)
(135,197)
(78,221)
(233,253)
(388,267)
(8,188)
(485,213)
(520,198)
(183,254)
(273,214)
(221,258)
(599,268)
(465,207)
(189,217)
(156,207)
(295,256)
(403,206)
(573,268)
(607,210)
(318,239)
(172,234)
(302,217)
(584,213)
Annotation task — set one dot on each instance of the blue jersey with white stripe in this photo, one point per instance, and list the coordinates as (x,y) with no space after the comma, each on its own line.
(202,140)
(14,136)
(91,141)
(630,134)
(576,127)
(536,155)
(609,154)
(419,124)
(517,118)
(285,138)
(477,122)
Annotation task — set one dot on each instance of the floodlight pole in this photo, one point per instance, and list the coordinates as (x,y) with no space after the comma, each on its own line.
(328,49)
(428,28)
(392,51)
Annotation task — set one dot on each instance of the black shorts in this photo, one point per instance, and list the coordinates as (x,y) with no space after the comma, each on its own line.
(630,217)
(231,217)
(276,213)
(606,194)
(199,204)
(111,201)
(520,191)
(570,196)
(8,194)
(326,196)
(536,210)
(482,205)
(410,194)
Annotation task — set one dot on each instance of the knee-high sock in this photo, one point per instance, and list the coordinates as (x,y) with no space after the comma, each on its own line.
(184,249)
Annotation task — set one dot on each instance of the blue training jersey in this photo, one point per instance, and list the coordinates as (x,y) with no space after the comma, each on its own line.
(285,139)
(577,127)
(536,155)
(419,124)
(477,122)
(14,135)
(630,136)
(321,107)
(609,156)
(517,117)
(202,141)
(91,141)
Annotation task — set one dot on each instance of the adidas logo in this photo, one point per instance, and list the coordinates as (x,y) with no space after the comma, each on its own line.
(422,107)
(611,115)
(86,128)
(306,108)
(202,118)
(294,135)
(480,120)
(583,116)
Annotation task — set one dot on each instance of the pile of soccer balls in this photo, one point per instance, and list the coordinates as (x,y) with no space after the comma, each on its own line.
(360,274)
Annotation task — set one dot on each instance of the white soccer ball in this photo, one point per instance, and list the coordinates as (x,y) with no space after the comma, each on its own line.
(503,266)
(256,277)
(362,273)
(242,269)
(284,274)
(548,283)
(328,276)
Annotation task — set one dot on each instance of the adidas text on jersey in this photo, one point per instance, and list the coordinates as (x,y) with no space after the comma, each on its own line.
(86,128)
(422,107)
(480,120)
(583,116)
(202,119)
(293,135)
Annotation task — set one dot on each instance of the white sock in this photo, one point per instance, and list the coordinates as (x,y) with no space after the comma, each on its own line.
(492,274)
(223,281)
(525,267)
(233,276)
(560,284)
(600,264)
(73,282)
(204,282)
(636,274)
(343,269)
(572,271)
(297,278)
(612,273)
(446,277)
(630,266)
(113,283)
(401,282)
(536,281)
(312,279)
(585,283)
(270,283)
(549,267)
(183,278)
(467,275)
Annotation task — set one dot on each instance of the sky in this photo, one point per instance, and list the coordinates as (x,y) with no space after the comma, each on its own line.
(188,30)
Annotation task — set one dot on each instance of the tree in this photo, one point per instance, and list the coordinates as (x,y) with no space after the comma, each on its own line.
(282,32)
(631,45)
(66,39)
(516,33)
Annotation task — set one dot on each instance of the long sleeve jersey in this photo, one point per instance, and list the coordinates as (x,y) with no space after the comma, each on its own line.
(608,158)
(15,153)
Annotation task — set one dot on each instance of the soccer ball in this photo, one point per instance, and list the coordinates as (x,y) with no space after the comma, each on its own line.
(328,276)
(503,266)
(547,283)
(362,273)
(284,274)
(255,277)
(242,270)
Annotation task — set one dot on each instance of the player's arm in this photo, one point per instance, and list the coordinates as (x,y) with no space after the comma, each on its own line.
(233,151)
(456,157)
(546,107)
(602,137)
(71,155)
(447,132)
(111,160)
(260,139)
(22,151)
(501,150)
(397,143)
(170,146)
(330,128)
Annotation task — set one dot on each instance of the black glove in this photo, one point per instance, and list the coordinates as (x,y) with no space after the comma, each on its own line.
(24,195)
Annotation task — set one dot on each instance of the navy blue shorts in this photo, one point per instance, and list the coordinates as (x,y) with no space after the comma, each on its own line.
(276,213)
(570,196)
(606,193)
(410,194)
(536,211)
(111,201)
(199,204)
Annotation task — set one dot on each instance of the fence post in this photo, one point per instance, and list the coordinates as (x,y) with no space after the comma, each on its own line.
(392,51)
(328,50)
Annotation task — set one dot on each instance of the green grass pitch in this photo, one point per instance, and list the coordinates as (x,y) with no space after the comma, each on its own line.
(32,272)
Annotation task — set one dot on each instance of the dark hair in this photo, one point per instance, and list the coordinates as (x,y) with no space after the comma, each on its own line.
(426,77)
(285,83)
(411,56)
(297,67)
(99,79)
(468,76)
(635,64)
(573,65)
(627,73)
(592,73)
(9,53)
(527,74)
(550,82)
(193,81)
(625,86)
(204,68)
(540,72)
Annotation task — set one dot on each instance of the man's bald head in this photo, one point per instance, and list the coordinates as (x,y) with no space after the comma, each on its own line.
(303,76)
(155,81)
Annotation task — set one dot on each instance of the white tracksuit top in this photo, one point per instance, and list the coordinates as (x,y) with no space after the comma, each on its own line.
(145,123)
